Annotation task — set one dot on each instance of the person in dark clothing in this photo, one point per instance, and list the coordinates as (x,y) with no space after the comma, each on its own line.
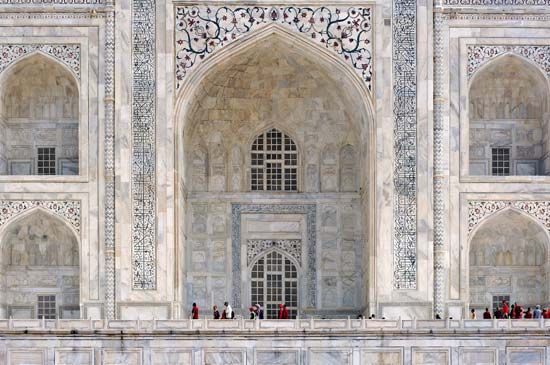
(486,314)
(528,314)
(195,311)
(498,313)
(216,312)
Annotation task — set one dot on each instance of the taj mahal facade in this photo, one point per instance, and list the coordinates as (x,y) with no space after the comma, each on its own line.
(380,159)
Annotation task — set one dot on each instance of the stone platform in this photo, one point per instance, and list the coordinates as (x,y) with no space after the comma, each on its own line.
(283,342)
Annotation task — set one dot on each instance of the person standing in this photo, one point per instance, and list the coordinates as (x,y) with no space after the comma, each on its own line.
(195,311)
(283,312)
(486,314)
(537,313)
(259,311)
(498,313)
(505,309)
(253,314)
(528,314)
(227,311)
(216,312)
(473,314)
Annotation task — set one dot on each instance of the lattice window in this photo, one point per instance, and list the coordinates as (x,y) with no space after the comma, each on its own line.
(46,307)
(275,281)
(46,161)
(274,162)
(500,165)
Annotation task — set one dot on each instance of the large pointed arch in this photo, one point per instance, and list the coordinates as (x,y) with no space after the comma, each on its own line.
(352,91)
(506,254)
(44,249)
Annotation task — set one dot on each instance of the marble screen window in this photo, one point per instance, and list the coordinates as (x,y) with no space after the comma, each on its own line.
(500,164)
(46,161)
(274,160)
(275,281)
(45,307)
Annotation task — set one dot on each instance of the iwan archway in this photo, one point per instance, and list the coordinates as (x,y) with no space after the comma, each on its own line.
(274,150)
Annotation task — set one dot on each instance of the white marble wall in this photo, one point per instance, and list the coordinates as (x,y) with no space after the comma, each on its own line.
(85,30)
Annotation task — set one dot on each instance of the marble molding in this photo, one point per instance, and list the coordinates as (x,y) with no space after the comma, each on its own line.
(505,3)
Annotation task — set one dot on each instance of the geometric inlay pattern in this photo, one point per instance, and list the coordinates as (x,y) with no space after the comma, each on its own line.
(256,248)
(144,218)
(69,210)
(496,2)
(480,210)
(68,54)
(310,266)
(480,54)
(404,110)
(201,29)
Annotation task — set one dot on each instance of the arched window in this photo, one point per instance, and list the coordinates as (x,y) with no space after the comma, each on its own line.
(275,281)
(39,258)
(274,162)
(39,124)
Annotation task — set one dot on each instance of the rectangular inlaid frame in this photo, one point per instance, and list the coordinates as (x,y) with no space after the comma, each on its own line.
(310,210)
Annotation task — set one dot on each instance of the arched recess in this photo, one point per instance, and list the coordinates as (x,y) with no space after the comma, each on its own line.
(509,101)
(39,118)
(272,78)
(508,257)
(39,267)
(275,279)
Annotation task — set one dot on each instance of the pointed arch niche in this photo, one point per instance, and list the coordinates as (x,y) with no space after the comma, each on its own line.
(39,267)
(508,257)
(39,117)
(508,118)
(274,80)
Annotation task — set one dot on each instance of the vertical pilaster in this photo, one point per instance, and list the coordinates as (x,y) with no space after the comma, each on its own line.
(440,181)
(404,54)
(109,150)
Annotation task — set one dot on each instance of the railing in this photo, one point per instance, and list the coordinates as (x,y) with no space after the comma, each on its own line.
(245,325)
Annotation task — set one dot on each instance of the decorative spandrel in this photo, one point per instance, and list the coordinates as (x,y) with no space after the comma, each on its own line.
(404,110)
(478,55)
(200,30)
(479,210)
(68,54)
(69,210)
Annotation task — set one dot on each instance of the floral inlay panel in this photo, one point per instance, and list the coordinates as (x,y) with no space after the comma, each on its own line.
(480,54)
(69,210)
(480,210)
(68,54)
(200,30)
